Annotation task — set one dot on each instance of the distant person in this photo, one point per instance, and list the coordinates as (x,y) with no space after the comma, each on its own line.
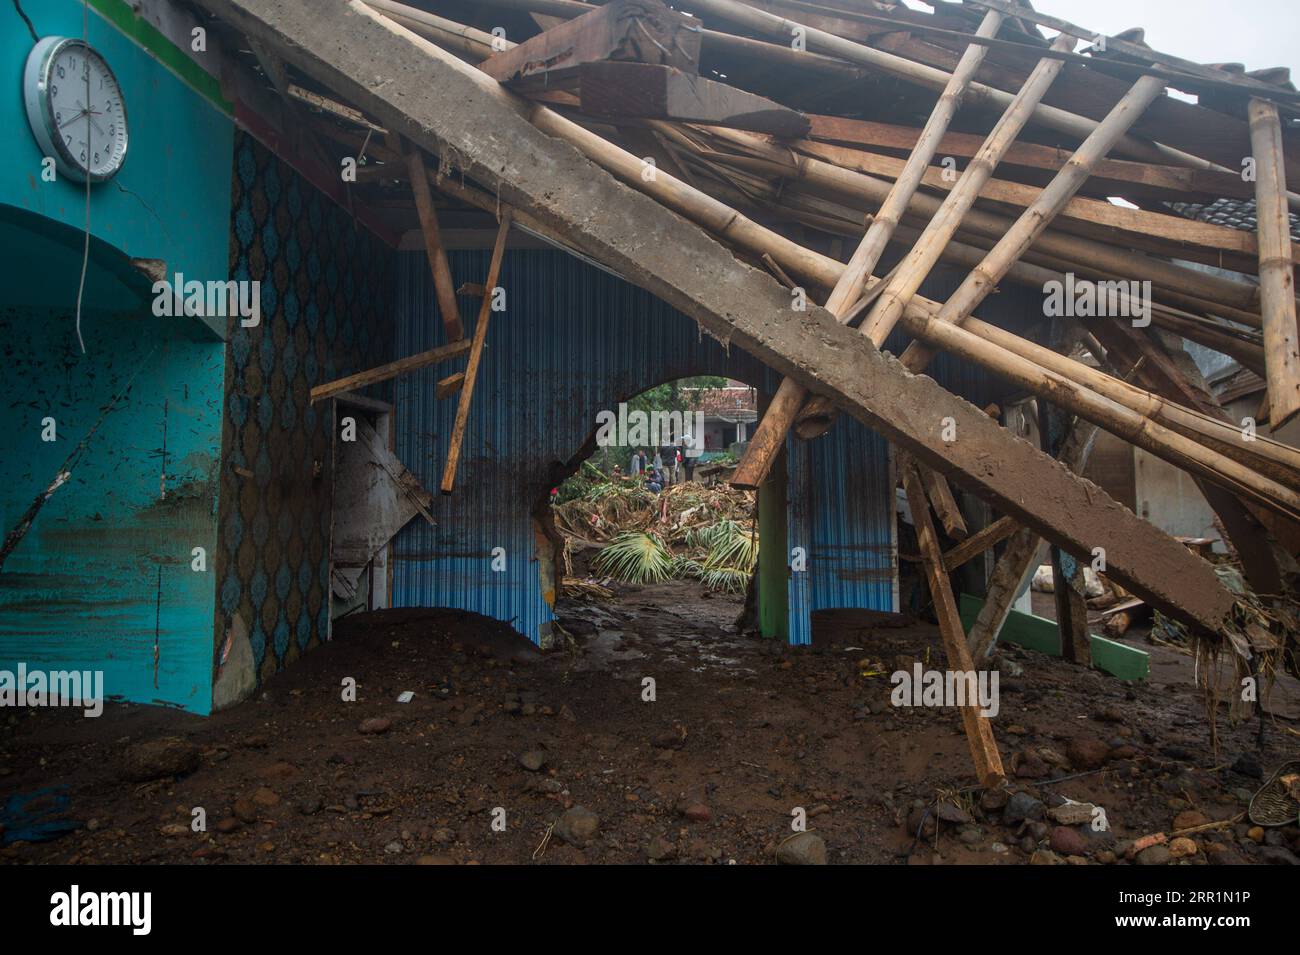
(659,462)
(635,469)
(654,481)
(645,463)
(617,473)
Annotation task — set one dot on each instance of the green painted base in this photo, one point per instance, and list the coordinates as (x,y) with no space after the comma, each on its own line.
(1043,635)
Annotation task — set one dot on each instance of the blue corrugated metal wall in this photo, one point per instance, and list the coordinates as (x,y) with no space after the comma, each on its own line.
(575,340)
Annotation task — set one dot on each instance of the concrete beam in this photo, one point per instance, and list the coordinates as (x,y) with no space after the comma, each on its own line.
(466,117)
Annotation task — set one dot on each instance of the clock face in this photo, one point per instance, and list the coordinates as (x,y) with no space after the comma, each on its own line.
(75,108)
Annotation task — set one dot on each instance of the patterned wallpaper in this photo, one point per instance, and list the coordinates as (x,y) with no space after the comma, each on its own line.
(325,281)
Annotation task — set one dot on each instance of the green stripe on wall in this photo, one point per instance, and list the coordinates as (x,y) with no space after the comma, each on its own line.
(118,13)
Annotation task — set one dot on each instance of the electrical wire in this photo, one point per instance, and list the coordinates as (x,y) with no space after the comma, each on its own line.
(27,20)
(85,251)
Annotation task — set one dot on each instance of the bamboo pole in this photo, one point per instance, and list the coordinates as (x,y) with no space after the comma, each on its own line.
(766,442)
(979,731)
(880,321)
(984,278)
(475,356)
(1164,442)
(1097,255)
(1276,272)
(1275,460)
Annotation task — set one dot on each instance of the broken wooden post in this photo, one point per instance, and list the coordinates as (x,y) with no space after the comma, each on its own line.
(390,370)
(475,356)
(449,386)
(943,502)
(433,247)
(1276,270)
(979,731)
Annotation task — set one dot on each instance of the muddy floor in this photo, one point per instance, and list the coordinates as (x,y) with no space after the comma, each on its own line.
(743,739)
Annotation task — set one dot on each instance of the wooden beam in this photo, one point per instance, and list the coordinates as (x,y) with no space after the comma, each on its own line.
(979,542)
(1276,272)
(650,233)
(1172,182)
(944,504)
(391,370)
(643,31)
(979,731)
(443,284)
(619,90)
(449,386)
(475,357)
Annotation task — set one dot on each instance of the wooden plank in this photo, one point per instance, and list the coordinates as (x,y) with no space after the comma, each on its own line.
(1172,182)
(651,234)
(475,357)
(979,731)
(449,386)
(1038,633)
(977,543)
(1276,274)
(443,284)
(944,504)
(644,31)
(1138,224)
(391,370)
(619,90)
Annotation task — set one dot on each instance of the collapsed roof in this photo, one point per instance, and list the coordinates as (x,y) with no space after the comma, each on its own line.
(710,153)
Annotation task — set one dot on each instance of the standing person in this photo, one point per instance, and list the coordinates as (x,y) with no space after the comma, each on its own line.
(645,464)
(659,460)
(679,458)
(635,469)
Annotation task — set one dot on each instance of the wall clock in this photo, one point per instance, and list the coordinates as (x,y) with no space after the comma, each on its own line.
(75,108)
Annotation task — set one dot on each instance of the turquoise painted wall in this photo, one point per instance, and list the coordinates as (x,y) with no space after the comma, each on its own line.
(175,182)
(83,589)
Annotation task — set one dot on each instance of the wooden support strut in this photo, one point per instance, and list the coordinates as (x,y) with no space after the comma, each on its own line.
(475,356)
(979,542)
(433,247)
(979,731)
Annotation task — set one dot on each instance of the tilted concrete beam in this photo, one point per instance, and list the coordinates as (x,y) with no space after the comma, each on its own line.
(464,116)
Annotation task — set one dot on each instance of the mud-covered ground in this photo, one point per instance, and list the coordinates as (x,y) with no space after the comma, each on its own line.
(499,741)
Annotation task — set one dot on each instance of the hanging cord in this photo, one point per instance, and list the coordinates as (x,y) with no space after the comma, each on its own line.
(27,20)
(85,250)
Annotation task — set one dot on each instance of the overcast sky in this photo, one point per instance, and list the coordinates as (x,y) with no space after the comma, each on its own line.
(1258,33)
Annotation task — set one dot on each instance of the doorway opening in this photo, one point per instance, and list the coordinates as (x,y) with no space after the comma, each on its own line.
(646,516)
